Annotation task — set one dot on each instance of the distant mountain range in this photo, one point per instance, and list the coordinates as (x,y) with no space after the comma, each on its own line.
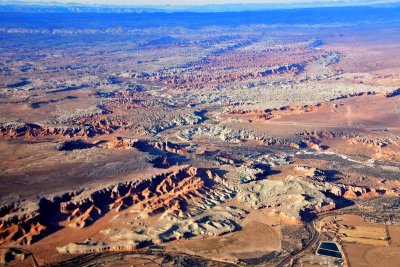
(57,7)
(122,23)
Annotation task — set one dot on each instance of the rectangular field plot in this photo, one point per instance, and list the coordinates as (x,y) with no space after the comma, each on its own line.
(365,232)
(366,241)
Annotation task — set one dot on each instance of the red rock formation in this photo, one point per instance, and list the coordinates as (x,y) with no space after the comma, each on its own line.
(36,130)
(174,192)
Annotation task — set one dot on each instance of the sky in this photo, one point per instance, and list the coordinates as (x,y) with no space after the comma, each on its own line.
(204,2)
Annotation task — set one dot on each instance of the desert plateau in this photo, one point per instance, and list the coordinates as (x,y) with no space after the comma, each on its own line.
(177,138)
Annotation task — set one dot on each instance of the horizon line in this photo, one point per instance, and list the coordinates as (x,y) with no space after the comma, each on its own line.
(76,7)
(340,3)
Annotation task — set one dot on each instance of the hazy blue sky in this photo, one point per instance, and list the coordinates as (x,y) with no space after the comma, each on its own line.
(204,2)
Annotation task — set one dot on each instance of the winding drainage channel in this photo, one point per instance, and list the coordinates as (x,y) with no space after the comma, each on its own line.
(369,162)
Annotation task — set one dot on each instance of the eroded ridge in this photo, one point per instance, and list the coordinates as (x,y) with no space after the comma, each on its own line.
(182,192)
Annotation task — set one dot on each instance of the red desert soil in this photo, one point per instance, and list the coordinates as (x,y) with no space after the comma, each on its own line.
(260,235)
(370,114)
(361,112)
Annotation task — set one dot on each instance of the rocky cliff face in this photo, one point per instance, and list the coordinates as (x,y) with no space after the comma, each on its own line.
(36,130)
(181,192)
